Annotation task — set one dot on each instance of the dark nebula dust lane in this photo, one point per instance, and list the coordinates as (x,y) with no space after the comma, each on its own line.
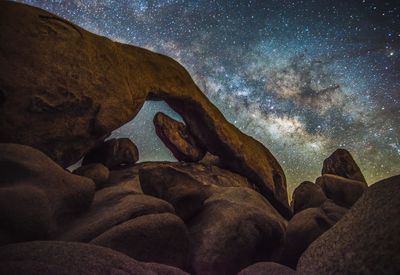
(302,77)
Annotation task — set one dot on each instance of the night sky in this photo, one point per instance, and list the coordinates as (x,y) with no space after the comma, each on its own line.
(302,77)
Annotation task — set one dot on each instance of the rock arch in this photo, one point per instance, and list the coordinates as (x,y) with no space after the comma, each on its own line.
(64,93)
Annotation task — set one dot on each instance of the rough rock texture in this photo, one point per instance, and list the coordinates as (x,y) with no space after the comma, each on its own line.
(342,191)
(341,163)
(111,206)
(185,193)
(267,268)
(66,98)
(113,153)
(66,258)
(307,226)
(95,171)
(161,238)
(36,193)
(177,138)
(365,241)
(236,227)
(307,195)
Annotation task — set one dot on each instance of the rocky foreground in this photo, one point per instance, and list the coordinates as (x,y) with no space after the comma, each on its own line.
(222,209)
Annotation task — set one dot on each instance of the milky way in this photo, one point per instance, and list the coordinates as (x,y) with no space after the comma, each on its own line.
(302,77)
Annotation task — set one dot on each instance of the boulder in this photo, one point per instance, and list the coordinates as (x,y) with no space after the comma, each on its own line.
(160,238)
(68,258)
(307,226)
(106,84)
(95,171)
(307,195)
(177,138)
(342,164)
(365,241)
(113,153)
(111,206)
(342,191)
(235,228)
(267,268)
(36,193)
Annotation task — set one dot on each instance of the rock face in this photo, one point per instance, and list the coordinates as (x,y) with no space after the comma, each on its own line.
(177,138)
(113,153)
(307,226)
(365,241)
(161,238)
(307,195)
(36,193)
(235,228)
(267,268)
(66,98)
(62,258)
(95,171)
(342,191)
(341,163)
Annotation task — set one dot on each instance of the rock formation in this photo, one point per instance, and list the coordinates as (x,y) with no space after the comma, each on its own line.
(66,98)
(177,138)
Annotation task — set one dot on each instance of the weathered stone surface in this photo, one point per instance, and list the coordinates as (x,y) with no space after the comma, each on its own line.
(62,258)
(95,171)
(307,226)
(111,206)
(341,163)
(160,238)
(365,241)
(66,98)
(177,138)
(267,268)
(113,153)
(35,193)
(342,191)
(236,227)
(307,195)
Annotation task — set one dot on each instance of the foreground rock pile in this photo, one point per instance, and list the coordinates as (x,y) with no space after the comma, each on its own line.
(223,209)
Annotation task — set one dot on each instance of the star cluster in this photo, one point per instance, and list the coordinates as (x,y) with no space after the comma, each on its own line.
(302,77)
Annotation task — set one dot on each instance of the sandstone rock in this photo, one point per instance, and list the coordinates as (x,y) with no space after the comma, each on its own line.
(307,226)
(307,195)
(342,191)
(341,163)
(111,206)
(365,241)
(95,171)
(66,98)
(113,153)
(177,138)
(161,238)
(36,193)
(54,257)
(236,227)
(267,268)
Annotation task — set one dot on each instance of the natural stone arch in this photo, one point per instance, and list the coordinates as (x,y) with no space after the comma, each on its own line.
(70,88)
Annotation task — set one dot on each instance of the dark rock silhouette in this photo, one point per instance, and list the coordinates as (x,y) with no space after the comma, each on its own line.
(267,268)
(307,226)
(177,138)
(307,195)
(95,171)
(36,193)
(52,257)
(161,238)
(64,102)
(341,163)
(342,191)
(113,153)
(365,241)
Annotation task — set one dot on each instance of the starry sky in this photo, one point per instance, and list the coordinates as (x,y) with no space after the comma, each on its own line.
(302,77)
